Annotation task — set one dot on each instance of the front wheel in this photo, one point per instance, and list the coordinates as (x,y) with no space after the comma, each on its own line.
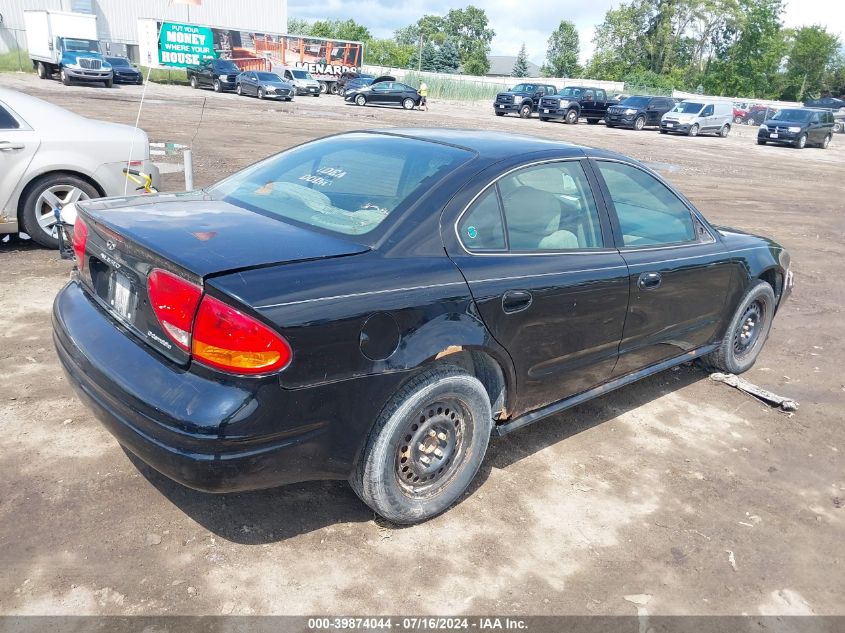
(425,447)
(761,141)
(64,77)
(572,117)
(801,143)
(239,90)
(261,93)
(737,119)
(747,332)
(109,82)
(218,87)
(693,131)
(525,111)
(194,83)
(361,100)
(639,123)
(500,114)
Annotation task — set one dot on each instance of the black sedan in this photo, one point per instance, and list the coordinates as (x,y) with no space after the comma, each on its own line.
(124,71)
(384,93)
(263,85)
(373,306)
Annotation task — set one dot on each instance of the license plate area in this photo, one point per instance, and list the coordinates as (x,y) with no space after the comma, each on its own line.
(773,135)
(122,297)
(670,125)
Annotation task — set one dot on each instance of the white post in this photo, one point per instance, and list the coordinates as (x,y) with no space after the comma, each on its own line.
(188,162)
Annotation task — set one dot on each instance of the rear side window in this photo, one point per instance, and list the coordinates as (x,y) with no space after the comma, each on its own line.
(349,183)
(649,213)
(481,226)
(7,121)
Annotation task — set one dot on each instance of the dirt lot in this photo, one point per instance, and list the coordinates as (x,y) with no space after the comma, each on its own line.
(652,490)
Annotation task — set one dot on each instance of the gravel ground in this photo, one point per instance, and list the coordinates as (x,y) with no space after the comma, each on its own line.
(684,493)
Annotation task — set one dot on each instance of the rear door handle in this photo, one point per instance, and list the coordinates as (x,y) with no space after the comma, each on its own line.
(7,146)
(649,281)
(516,301)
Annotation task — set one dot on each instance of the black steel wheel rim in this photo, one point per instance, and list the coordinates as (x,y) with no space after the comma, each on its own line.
(431,447)
(748,331)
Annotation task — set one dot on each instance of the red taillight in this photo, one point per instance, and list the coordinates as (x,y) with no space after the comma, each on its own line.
(227,339)
(174,301)
(80,239)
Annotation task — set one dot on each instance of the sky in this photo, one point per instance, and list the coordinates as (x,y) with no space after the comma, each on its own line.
(518,21)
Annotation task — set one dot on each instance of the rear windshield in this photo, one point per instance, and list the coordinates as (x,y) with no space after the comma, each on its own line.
(348,184)
(636,102)
(688,107)
(792,114)
(268,77)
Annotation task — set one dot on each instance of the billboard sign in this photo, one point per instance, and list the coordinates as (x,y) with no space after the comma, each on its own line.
(183,45)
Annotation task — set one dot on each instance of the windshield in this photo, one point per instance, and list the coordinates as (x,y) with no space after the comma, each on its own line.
(793,115)
(120,62)
(569,92)
(688,107)
(524,88)
(268,77)
(226,66)
(301,74)
(636,102)
(348,184)
(81,46)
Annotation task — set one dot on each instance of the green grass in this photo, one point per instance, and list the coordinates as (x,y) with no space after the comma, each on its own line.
(455,89)
(166,75)
(15,61)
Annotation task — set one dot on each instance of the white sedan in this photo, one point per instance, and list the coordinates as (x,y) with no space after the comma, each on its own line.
(50,157)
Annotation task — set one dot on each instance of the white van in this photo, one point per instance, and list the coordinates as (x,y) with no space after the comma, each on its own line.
(698,116)
(302,81)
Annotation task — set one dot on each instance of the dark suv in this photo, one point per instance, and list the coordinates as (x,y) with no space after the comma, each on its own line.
(220,74)
(798,127)
(573,102)
(637,112)
(522,99)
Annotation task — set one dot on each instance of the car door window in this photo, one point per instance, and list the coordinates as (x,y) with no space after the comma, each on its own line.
(708,111)
(481,227)
(649,213)
(588,95)
(601,95)
(7,121)
(550,207)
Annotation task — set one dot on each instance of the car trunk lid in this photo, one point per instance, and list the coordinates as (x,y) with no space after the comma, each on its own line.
(191,236)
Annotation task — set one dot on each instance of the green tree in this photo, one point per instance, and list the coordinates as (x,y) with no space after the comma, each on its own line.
(520,67)
(469,29)
(812,59)
(388,53)
(341,30)
(563,51)
(297,26)
(620,47)
(448,59)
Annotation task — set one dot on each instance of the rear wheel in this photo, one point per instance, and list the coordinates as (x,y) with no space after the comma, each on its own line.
(42,71)
(838,126)
(572,117)
(639,123)
(544,118)
(425,447)
(826,142)
(323,87)
(45,194)
(361,100)
(525,111)
(726,129)
(334,89)
(747,332)
(409,104)
(693,131)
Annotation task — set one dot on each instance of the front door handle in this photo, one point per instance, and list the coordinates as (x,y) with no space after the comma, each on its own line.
(649,281)
(516,301)
(7,146)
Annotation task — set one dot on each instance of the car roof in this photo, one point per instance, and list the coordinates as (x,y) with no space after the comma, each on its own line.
(485,143)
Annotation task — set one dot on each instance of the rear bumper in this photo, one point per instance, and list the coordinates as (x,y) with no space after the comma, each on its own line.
(206,431)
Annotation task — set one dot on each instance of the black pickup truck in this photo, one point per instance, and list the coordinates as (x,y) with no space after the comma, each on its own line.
(575,102)
(522,99)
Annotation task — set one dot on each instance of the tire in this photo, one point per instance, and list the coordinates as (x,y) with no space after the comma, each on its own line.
(194,83)
(64,77)
(500,114)
(593,121)
(218,87)
(109,83)
(41,69)
(323,88)
(140,81)
(544,119)
(525,111)
(571,117)
(740,347)
(361,100)
(316,95)
(41,195)
(409,104)
(239,90)
(664,131)
(260,93)
(838,126)
(737,119)
(726,129)
(761,141)
(826,142)
(639,123)
(443,410)
(801,143)
(334,89)
(693,131)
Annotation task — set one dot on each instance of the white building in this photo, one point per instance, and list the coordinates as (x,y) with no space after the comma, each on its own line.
(117,20)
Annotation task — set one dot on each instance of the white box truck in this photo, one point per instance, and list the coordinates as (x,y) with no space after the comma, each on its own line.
(66,44)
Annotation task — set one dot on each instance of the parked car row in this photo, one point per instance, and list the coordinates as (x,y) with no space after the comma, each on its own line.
(796,126)
(224,75)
